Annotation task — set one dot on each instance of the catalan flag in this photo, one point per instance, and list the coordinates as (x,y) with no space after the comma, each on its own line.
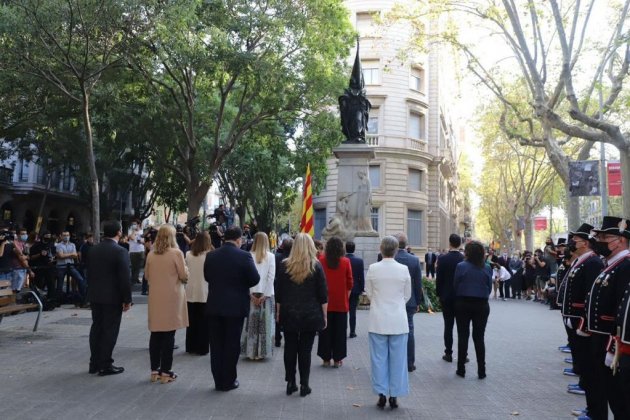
(307,224)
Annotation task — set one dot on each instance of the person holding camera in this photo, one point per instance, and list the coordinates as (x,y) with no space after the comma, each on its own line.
(543,272)
(136,251)
(529,274)
(183,241)
(42,259)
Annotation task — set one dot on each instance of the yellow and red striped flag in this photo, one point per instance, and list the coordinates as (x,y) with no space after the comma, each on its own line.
(307,224)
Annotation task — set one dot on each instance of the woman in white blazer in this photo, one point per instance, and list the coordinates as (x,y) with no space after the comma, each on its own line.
(388,285)
(256,338)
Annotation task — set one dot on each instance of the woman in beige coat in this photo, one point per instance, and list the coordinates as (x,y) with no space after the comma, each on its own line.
(166,272)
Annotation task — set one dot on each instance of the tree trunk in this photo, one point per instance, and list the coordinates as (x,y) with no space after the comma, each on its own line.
(625,181)
(529,230)
(42,204)
(93,176)
(518,239)
(196,194)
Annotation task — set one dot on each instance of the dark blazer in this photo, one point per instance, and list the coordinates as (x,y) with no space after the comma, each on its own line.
(472,281)
(301,304)
(357,274)
(429,258)
(230,272)
(445,274)
(109,274)
(413,264)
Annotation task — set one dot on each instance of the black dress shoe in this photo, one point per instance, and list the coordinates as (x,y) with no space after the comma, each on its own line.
(231,387)
(461,373)
(278,343)
(112,370)
(382,400)
(411,368)
(93,369)
(352,335)
(304,390)
(448,358)
(393,402)
(482,375)
(291,387)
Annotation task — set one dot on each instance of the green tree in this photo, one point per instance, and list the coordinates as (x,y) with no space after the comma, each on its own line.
(219,69)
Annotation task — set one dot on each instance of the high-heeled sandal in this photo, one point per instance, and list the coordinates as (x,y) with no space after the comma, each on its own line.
(167,377)
(338,364)
(155,375)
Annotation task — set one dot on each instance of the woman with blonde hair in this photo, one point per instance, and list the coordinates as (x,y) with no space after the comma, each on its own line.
(166,273)
(197,333)
(256,341)
(302,301)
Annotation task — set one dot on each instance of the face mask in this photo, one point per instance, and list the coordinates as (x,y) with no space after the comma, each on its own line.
(572,247)
(66,239)
(134,226)
(601,248)
(23,238)
(45,240)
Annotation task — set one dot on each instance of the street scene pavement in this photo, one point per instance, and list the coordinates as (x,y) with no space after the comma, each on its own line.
(44,375)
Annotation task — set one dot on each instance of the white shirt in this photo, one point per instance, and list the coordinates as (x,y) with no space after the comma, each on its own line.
(388,285)
(197,286)
(503,274)
(267,271)
(136,244)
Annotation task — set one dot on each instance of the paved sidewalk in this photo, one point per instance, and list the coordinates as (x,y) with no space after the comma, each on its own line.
(44,375)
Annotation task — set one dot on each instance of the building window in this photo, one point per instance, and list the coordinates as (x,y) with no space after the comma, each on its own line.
(374,214)
(372,126)
(366,23)
(416,79)
(414,227)
(375,176)
(416,125)
(320,222)
(24,172)
(371,72)
(415,180)
(66,179)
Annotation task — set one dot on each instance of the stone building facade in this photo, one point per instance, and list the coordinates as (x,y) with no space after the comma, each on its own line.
(414,172)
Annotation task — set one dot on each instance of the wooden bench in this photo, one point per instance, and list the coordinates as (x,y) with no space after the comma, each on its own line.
(8,303)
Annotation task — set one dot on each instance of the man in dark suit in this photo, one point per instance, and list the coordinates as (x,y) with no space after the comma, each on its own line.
(429,263)
(230,272)
(444,276)
(281,254)
(109,294)
(357,287)
(413,304)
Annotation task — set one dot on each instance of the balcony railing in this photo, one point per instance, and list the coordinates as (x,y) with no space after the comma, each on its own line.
(396,142)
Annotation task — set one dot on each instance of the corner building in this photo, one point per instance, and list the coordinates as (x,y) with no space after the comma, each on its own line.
(413,175)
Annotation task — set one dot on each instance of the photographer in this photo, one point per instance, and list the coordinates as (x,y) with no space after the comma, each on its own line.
(216,235)
(42,258)
(529,274)
(543,272)
(183,241)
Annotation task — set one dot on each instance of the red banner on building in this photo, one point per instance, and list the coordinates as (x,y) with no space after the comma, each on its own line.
(540,223)
(614,178)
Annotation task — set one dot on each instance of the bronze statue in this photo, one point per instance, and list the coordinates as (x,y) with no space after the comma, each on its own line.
(354,106)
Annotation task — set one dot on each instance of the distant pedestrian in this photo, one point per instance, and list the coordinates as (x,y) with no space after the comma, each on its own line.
(332,342)
(230,272)
(388,286)
(197,339)
(166,272)
(256,340)
(473,284)
(357,287)
(445,273)
(429,263)
(109,293)
(302,300)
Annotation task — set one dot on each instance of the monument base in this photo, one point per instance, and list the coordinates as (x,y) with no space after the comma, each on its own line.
(367,247)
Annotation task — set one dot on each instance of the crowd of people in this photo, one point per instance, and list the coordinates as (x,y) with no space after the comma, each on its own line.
(240,299)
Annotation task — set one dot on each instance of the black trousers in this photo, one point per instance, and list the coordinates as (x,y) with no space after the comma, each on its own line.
(606,389)
(104,334)
(411,339)
(47,277)
(624,377)
(576,366)
(297,349)
(584,365)
(354,303)
(197,340)
(448,313)
(475,310)
(332,341)
(507,286)
(161,345)
(225,348)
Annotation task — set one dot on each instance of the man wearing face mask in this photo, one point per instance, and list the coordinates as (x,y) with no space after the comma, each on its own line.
(41,258)
(602,304)
(66,253)
(579,281)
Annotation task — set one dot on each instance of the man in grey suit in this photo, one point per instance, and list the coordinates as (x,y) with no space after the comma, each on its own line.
(413,304)
(109,294)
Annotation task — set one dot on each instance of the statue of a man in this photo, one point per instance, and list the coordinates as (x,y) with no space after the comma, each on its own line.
(354,106)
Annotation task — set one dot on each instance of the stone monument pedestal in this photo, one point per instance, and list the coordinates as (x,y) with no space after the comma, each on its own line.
(353,219)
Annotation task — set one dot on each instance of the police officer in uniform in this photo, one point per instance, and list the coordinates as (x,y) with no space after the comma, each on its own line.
(603,303)
(622,344)
(578,282)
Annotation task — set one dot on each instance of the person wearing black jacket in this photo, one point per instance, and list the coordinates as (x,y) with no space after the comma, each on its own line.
(445,273)
(357,286)
(281,253)
(230,272)
(109,294)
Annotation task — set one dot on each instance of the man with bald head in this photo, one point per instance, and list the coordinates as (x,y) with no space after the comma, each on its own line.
(413,304)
